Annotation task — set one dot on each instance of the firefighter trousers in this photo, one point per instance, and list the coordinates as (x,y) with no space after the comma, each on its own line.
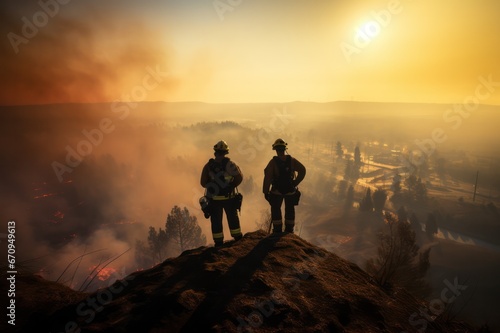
(276,201)
(217,211)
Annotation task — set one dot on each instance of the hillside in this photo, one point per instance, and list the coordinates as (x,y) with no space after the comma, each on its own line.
(276,283)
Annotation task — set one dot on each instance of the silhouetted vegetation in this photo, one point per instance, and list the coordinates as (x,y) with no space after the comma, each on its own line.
(181,233)
(349,197)
(339,151)
(399,260)
(154,251)
(183,230)
(366,205)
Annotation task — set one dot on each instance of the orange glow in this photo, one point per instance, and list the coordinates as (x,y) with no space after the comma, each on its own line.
(104,273)
(401,51)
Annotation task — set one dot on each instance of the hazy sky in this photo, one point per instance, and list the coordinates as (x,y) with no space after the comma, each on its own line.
(249,50)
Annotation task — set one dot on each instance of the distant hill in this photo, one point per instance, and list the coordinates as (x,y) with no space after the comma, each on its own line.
(275,283)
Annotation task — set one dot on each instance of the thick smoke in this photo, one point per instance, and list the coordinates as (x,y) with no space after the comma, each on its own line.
(129,181)
(61,58)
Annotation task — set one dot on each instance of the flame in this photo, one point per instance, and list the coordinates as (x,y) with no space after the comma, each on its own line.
(104,273)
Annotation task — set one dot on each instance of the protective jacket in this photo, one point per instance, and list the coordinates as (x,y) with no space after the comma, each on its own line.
(220,178)
(279,183)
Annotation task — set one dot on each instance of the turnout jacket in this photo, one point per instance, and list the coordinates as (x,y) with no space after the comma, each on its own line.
(271,173)
(220,178)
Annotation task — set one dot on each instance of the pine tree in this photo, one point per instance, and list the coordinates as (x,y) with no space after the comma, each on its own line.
(143,255)
(339,151)
(157,241)
(350,197)
(341,189)
(396,184)
(420,191)
(152,252)
(183,230)
(366,205)
(357,158)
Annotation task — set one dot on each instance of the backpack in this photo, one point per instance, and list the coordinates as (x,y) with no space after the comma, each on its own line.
(221,187)
(283,181)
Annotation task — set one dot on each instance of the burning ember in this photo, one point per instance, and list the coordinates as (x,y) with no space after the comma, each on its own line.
(104,273)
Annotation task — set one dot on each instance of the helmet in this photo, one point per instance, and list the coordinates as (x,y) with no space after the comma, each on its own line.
(279,144)
(221,146)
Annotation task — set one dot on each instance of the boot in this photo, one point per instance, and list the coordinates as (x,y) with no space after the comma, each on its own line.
(277,226)
(289,225)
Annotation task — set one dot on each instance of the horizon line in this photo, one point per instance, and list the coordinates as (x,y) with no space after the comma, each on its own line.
(240,103)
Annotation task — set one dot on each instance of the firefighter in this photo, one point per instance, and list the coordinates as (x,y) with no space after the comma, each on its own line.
(282,175)
(220,177)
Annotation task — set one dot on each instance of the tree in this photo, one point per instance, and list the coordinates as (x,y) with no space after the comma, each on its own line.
(420,191)
(357,158)
(399,260)
(349,198)
(341,189)
(396,184)
(154,251)
(416,189)
(366,205)
(157,241)
(411,183)
(143,255)
(379,198)
(339,151)
(183,231)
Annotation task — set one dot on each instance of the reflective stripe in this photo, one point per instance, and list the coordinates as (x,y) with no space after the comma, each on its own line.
(218,235)
(222,197)
(235,231)
(290,222)
(277,222)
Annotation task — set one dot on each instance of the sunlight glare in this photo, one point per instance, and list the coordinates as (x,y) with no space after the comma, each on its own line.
(369,30)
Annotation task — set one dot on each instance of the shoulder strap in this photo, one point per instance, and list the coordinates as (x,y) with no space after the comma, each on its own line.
(289,161)
(278,163)
(225,161)
(212,163)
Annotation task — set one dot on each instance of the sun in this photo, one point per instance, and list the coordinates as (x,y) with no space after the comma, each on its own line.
(369,30)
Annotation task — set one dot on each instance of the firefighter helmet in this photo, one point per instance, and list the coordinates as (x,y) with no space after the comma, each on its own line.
(221,146)
(279,144)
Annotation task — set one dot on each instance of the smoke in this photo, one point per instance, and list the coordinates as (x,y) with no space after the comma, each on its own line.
(131,180)
(76,60)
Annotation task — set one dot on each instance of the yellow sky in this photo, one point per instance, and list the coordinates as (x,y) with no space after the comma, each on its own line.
(251,51)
